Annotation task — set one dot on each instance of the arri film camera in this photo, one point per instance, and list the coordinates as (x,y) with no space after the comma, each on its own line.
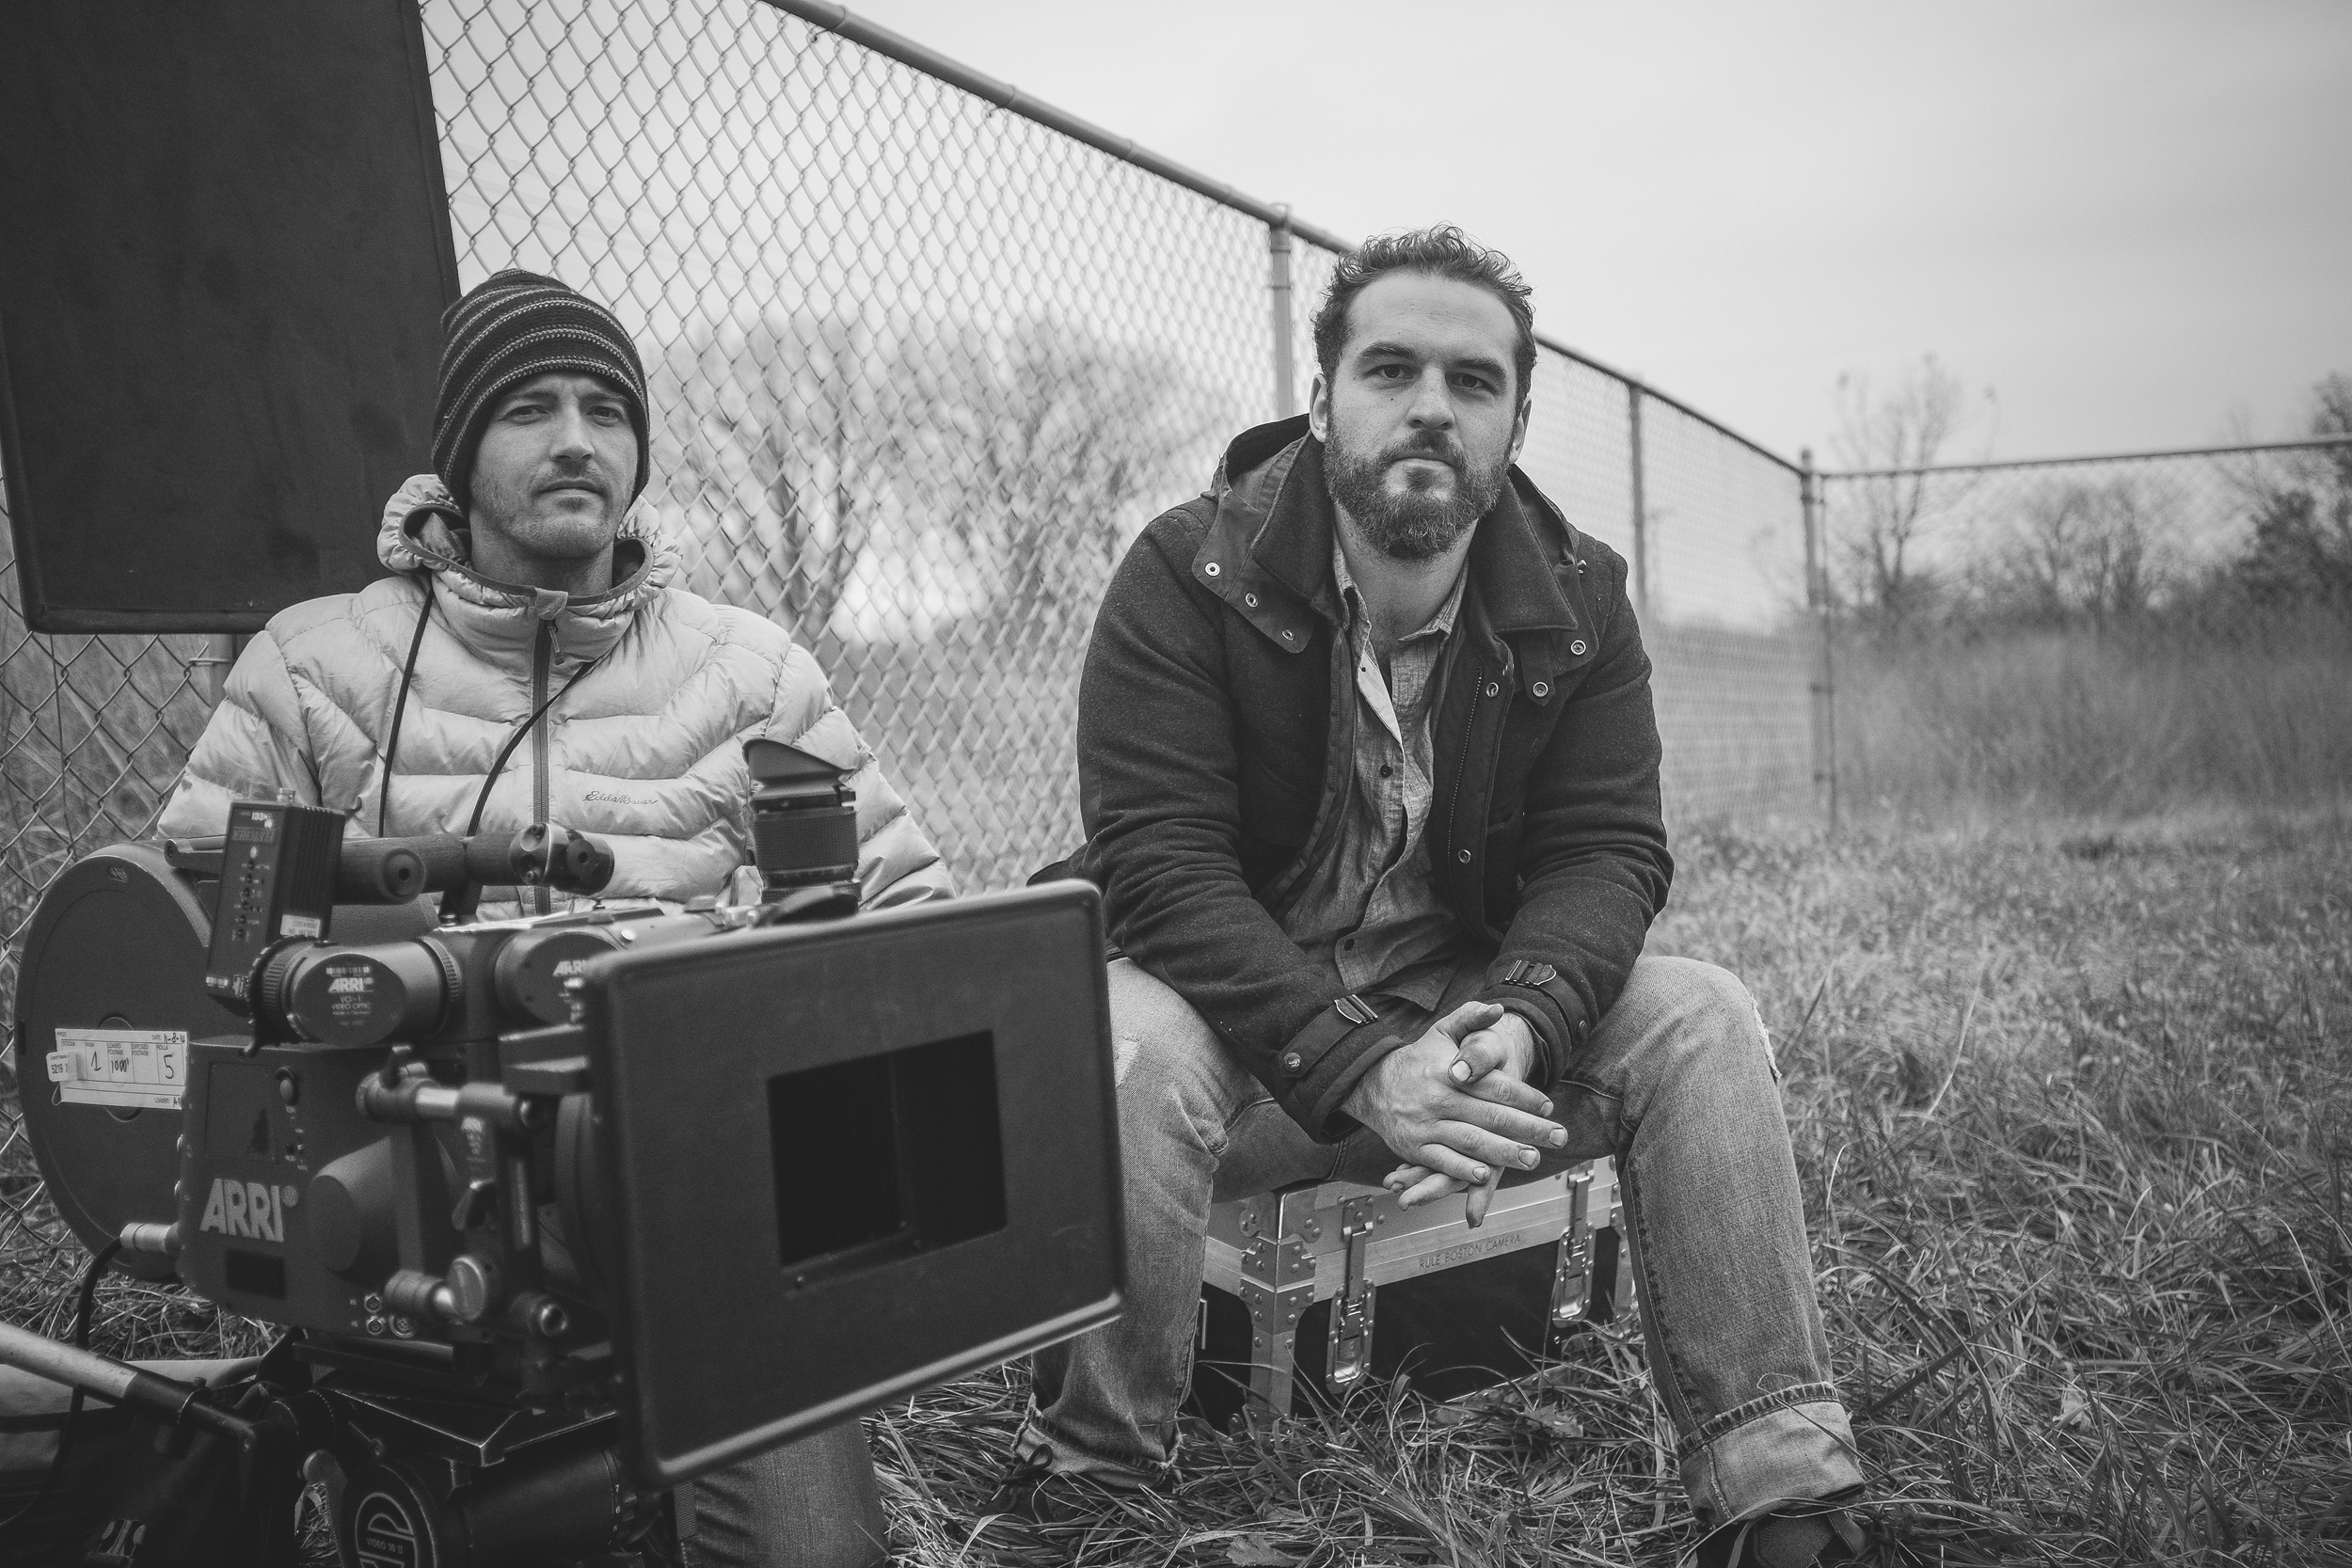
(562,1212)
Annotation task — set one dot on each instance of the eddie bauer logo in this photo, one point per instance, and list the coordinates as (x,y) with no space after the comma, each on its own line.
(249,1208)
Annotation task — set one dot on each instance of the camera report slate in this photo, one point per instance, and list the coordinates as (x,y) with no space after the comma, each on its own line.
(616,1191)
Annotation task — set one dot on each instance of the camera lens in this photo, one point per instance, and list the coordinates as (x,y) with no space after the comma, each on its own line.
(360,995)
(532,969)
(802,846)
(804,819)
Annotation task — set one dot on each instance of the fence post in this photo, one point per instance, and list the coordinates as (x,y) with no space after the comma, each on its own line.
(208,668)
(1817,602)
(1640,508)
(1278,282)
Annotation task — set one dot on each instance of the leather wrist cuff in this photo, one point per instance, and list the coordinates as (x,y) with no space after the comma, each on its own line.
(1320,1064)
(1536,991)
(1307,1048)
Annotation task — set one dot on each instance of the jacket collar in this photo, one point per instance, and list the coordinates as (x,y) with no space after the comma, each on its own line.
(1268,553)
(500,621)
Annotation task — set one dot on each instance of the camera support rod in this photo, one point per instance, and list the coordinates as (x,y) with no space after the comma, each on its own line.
(119,1383)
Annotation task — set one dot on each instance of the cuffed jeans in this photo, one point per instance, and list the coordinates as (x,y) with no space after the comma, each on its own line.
(1676,1083)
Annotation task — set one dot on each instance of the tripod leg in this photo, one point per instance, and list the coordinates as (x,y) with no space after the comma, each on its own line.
(322,1470)
(273,1485)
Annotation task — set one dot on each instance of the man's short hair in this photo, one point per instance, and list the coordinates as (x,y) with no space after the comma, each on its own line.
(1443,251)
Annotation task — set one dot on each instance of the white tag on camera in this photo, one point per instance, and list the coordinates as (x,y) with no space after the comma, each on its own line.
(125,1068)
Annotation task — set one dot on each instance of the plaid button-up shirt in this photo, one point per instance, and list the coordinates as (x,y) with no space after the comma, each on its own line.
(1371,908)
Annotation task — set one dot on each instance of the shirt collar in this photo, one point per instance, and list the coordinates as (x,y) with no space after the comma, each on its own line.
(1352,598)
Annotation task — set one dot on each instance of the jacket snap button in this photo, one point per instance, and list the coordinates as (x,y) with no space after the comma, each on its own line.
(1291,1063)
(1250,599)
(1576,647)
(1463,856)
(1542,688)
(1212,568)
(1290,637)
(1492,689)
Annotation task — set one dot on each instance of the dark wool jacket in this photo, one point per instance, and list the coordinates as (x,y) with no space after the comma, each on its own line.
(1215,723)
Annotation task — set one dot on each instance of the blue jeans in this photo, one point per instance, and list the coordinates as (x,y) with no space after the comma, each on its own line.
(809,1504)
(1676,1083)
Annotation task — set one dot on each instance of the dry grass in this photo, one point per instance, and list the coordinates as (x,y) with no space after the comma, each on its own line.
(2074,1107)
(2139,719)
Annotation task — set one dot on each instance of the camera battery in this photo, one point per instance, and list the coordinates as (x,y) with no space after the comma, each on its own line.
(1311,1291)
(276,882)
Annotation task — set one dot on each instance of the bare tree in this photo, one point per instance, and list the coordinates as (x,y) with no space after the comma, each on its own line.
(1892,435)
(1038,451)
(2077,552)
(773,440)
(800,450)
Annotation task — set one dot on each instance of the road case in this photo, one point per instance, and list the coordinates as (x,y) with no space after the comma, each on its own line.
(1311,1290)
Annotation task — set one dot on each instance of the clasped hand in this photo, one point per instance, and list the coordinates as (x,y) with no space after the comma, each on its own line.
(1455,1103)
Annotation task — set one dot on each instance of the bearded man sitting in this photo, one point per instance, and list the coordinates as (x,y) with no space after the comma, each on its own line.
(1369,778)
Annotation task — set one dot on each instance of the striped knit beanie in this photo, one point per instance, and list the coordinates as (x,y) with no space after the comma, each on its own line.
(510,328)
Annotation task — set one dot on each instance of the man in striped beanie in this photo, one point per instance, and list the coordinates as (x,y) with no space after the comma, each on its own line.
(531,661)
(522,356)
(512,328)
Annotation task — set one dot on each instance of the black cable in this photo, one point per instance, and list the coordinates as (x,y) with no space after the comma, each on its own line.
(459,901)
(82,1310)
(400,704)
(474,821)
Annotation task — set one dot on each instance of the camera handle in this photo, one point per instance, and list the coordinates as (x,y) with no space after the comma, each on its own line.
(266,1444)
(167,1400)
(579,1500)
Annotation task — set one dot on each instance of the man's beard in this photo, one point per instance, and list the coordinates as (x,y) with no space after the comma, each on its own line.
(509,506)
(1416,525)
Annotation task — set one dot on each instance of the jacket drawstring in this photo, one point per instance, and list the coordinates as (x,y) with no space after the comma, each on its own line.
(400,704)
(458,903)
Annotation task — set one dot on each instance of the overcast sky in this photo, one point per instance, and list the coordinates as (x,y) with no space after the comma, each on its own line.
(2132,221)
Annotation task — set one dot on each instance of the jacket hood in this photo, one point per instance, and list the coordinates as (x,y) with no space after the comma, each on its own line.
(424,531)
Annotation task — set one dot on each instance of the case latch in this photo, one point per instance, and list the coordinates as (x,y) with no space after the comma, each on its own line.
(1349,1344)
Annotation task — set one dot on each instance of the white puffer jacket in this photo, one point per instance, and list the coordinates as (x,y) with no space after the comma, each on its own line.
(646,750)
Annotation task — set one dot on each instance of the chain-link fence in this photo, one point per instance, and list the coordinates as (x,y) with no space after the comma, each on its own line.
(1712,528)
(2104,633)
(924,358)
(92,733)
(925,366)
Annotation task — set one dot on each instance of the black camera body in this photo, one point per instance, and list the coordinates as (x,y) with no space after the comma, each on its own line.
(385,1168)
(601,1200)
(286,1208)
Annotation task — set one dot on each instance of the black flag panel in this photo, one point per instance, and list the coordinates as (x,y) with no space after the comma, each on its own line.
(224,250)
